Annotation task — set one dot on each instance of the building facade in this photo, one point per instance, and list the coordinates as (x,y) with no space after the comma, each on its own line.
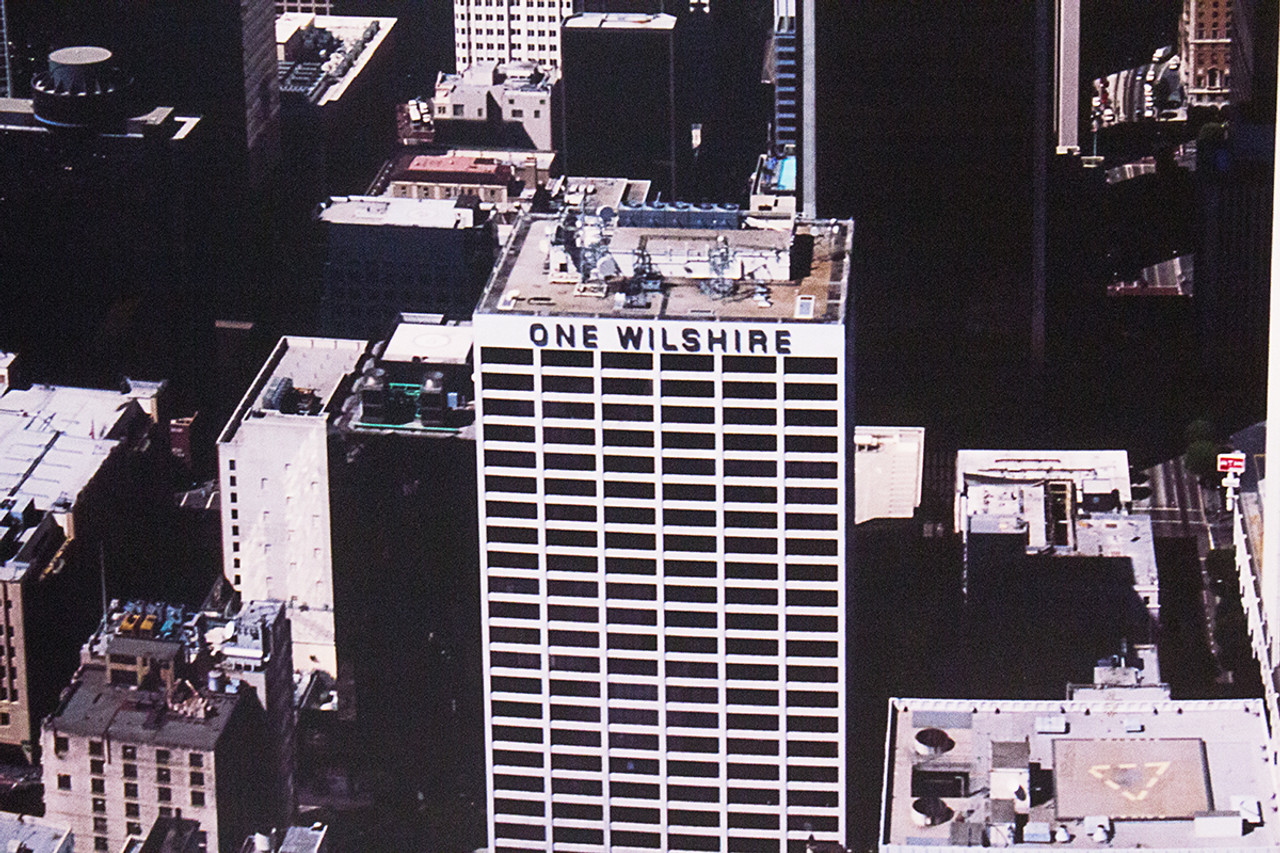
(1205,38)
(507,30)
(273,478)
(662,537)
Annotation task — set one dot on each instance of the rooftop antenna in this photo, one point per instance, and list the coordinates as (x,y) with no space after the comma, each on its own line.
(102,576)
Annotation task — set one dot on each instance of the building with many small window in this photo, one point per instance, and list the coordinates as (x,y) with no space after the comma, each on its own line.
(117,756)
(507,30)
(1205,39)
(662,417)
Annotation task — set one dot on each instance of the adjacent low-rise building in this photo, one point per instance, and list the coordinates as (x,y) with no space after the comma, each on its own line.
(508,104)
(1116,772)
(71,461)
(26,834)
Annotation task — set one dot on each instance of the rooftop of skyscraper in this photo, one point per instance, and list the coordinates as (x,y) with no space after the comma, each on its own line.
(321,55)
(707,262)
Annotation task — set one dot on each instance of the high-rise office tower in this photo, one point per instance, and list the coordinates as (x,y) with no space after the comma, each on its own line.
(662,415)
(626,108)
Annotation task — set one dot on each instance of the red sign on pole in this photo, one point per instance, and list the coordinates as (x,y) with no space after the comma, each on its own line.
(1231,462)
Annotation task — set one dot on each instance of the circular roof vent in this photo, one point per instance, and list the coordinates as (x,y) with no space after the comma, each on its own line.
(82,87)
(933,742)
(930,811)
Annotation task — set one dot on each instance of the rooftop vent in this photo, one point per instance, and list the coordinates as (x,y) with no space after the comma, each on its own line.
(930,811)
(933,742)
(82,88)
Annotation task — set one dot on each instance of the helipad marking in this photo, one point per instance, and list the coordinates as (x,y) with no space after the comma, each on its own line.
(1102,772)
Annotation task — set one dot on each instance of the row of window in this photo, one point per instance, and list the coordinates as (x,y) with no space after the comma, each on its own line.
(128,752)
(641,490)
(695,466)
(791,364)
(637,413)
(671,592)
(635,387)
(612,437)
(619,838)
(164,794)
(672,567)
(671,516)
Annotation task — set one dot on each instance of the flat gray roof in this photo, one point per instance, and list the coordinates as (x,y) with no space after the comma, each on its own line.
(1147,768)
(535,276)
(385,210)
(100,710)
(35,835)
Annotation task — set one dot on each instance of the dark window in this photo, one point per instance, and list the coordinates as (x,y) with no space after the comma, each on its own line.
(693,645)
(575,639)
(816,470)
(577,835)
(811,649)
(811,624)
(811,443)
(197,798)
(806,773)
(697,695)
(810,495)
(571,613)
(765,520)
(688,492)
(630,565)
(633,541)
(750,441)
(633,642)
(750,390)
(634,692)
(577,589)
(693,719)
(689,743)
(633,814)
(579,411)
(750,595)
(750,468)
(743,646)
(688,362)
(802,364)
(510,509)
(751,796)
(585,488)
(631,838)
(577,811)
(505,355)
(524,636)
(810,749)
(531,808)
(752,671)
(130,771)
(509,408)
(749,364)
(751,571)
(572,538)
(95,747)
(686,542)
(753,820)
(575,761)
(689,517)
(97,765)
(688,388)
(811,573)
(629,666)
(130,790)
(807,391)
(573,663)
(627,438)
(688,415)
(571,563)
(626,412)
(627,360)
(700,594)
(569,461)
(642,387)
(750,545)
(567,358)
(564,687)
(507,782)
(570,512)
(629,464)
(634,790)
(816,674)
(506,432)
(617,489)
(524,485)
(813,547)
(628,515)
(515,659)
(810,521)
(525,535)
(694,466)
(750,494)
(689,440)
(811,417)
(562,435)
(508,610)
(633,716)
(751,621)
(754,417)
(99,786)
(528,586)
(686,817)
(690,568)
(506,381)
(637,591)
(691,619)
(64,782)
(631,616)
(568,384)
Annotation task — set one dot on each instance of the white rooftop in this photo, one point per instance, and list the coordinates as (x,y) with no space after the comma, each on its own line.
(429,342)
(1117,775)
(53,440)
(888,470)
(349,29)
(33,834)
(620,20)
(312,367)
(408,212)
